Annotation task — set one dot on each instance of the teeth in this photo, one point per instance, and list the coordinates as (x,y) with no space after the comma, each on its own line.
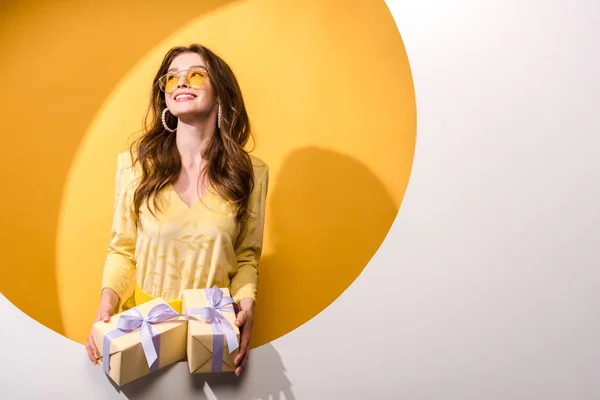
(187,96)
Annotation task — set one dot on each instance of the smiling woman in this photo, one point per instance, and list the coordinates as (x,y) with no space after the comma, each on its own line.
(338,139)
(190,201)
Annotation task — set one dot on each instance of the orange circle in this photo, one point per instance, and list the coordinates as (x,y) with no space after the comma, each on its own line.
(331,101)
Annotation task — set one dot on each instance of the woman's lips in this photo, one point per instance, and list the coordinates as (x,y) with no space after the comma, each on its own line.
(184,95)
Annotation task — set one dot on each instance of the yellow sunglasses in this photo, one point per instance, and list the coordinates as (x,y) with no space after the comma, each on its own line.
(194,77)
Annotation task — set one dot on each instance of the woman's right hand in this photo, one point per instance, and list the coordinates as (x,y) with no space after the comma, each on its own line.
(108,305)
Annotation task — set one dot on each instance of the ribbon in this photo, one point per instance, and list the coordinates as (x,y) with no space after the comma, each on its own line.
(214,314)
(132,320)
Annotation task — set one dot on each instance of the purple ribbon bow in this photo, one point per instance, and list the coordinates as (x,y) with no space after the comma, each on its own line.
(214,314)
(148,335)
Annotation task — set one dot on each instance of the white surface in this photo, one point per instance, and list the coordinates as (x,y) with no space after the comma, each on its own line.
(491,268)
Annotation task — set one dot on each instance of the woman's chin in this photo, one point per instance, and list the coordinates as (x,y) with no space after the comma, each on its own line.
(190,112)
(192,117)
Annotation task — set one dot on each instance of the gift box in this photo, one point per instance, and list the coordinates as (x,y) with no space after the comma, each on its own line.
(140,340)
(212,337)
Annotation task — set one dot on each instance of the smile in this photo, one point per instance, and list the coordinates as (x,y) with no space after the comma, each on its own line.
(184,97)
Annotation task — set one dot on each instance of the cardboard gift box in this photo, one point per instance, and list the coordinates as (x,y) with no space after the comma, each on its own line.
(140,340)
(212,338)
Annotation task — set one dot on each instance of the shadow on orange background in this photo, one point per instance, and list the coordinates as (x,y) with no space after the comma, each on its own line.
(329,214)
(59,82)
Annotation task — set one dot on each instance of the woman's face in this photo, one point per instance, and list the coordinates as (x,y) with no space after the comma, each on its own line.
(187,101)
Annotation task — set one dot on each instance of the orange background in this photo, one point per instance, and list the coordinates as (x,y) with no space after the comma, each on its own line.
(329,91)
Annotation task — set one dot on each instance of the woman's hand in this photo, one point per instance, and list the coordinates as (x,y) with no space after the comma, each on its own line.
(108,306)
(244,320)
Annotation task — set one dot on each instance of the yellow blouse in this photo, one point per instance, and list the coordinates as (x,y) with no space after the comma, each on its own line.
(184,247)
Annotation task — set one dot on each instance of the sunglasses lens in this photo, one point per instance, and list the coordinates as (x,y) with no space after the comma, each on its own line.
(169,82)
(196,77)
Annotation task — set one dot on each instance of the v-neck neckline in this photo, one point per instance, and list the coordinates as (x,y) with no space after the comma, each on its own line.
(183,203)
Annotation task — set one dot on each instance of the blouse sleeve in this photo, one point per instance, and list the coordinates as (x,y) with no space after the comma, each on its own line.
(244,283)
(120,258)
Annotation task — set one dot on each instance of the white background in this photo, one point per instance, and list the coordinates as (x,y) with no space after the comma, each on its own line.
(487,285)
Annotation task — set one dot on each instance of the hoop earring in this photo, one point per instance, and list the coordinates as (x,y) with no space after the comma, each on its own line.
(164,121)
(219,117)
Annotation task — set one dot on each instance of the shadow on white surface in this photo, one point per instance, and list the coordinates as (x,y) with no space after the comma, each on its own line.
(39,363)
(263,378)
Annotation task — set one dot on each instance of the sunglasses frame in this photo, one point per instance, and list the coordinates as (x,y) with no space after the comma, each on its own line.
(162,86)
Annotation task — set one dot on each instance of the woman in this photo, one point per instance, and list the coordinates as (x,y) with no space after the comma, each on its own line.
(190,201)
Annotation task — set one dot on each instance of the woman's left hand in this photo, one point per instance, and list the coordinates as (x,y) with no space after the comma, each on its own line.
(244,319)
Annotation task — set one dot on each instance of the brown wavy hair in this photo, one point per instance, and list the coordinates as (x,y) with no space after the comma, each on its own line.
(228,165)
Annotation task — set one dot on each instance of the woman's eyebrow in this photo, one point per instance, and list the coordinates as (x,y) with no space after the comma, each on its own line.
(193,66)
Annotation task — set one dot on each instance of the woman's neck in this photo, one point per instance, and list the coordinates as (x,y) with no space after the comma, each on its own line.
(191,140)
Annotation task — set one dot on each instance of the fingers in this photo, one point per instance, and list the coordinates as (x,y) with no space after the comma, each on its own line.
(241,318)
(93,353)
(105,316)
(242,356)
(240,367)
(243,348)
(245,336)
(92,350)
(102,315)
